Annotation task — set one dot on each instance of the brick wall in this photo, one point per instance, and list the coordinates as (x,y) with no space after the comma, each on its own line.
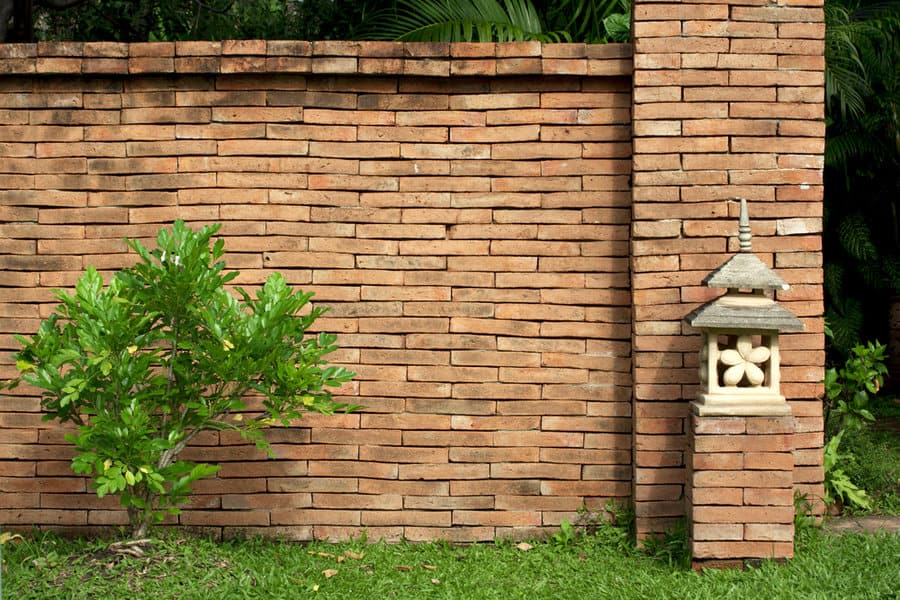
(464,210)
(468,213)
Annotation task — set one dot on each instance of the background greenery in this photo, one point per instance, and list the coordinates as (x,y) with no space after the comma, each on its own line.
(154,20)
(862,174)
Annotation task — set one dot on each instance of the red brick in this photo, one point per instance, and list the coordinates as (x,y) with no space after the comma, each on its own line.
(732,549)
(743,514)
(727,496)
(706,531)
(768,497)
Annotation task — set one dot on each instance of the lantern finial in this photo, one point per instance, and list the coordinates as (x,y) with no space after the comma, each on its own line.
(744,235)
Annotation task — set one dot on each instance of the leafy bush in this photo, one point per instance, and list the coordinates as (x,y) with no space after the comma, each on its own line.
(838,485)
(848,389)
(460,21)
(847,407)
(144,364)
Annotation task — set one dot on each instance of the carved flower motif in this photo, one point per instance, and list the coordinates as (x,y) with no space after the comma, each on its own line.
(744,360)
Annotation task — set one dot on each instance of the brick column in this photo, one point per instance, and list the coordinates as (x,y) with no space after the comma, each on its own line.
(740,488)
(728,103)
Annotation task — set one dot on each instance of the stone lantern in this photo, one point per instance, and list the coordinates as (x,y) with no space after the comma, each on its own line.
(739,358)
(740,464)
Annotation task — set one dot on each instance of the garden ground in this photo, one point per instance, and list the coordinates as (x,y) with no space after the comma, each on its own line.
(603,565)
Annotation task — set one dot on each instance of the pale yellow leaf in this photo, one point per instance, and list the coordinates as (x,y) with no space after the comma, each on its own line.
(7,537)
(524,547)
(329,573)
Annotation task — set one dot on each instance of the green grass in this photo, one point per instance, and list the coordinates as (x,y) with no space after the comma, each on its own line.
(45,567)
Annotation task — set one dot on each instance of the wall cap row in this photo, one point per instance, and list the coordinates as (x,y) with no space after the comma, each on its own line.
(320,57)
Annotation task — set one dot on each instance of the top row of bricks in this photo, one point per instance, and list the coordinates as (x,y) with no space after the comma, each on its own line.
(248,56)
(318,48)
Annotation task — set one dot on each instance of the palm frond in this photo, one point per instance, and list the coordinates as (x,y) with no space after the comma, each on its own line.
(461,21)
(860,45)
(845,320)
(584,19)
(855,236)
(833,279)
(842,148)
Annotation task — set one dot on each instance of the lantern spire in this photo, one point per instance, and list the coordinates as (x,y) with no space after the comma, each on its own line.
(744,235)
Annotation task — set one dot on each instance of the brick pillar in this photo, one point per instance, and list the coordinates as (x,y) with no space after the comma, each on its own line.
(728,103)
(740,488)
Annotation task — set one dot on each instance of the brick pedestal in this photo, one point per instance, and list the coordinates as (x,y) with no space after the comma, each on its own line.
(740,488)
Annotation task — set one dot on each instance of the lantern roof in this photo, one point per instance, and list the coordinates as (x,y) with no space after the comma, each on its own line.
(762,316)
(744,270)
(745,306)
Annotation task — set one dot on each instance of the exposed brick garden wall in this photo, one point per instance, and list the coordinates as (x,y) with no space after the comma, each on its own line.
(467,213)
(463,210)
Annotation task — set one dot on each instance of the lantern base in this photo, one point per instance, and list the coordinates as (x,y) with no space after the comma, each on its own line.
(761,405)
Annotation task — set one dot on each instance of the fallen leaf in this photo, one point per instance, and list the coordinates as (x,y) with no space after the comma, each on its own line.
(8,537)
(436,581)
(315,588)
(524,547)
(429,567)
(329,573)
(403,567)
(354,555)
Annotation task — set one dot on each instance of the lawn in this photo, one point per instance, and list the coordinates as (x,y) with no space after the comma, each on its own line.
(826,566)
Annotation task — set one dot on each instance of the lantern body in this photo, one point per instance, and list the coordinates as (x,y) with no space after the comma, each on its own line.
(739,374)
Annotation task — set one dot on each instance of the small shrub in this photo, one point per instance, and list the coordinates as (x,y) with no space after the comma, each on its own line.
(876,467)
(849,392)
(672,547)
(849,389)
(144,364)
(803,513)
(838,486)
(613,526)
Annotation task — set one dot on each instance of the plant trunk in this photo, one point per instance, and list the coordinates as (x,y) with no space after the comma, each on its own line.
(141,519)
(139,529)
